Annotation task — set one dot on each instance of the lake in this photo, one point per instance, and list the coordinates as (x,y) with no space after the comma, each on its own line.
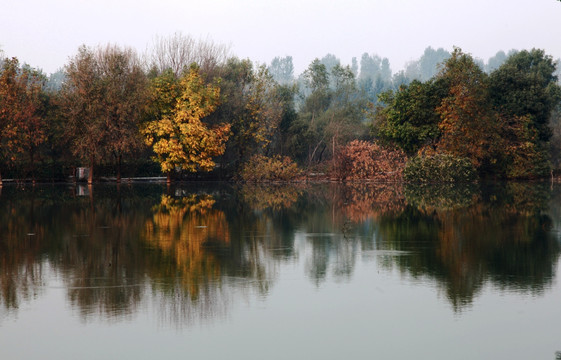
(325,271)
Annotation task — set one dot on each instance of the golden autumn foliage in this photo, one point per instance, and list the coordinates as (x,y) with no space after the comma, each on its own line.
(179,137)
(181,228)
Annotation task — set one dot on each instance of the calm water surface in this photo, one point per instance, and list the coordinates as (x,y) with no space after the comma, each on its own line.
(286,272)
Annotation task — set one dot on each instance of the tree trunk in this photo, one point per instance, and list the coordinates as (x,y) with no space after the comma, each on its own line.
(0,179)
(90,174)
(119,160)
(168,180)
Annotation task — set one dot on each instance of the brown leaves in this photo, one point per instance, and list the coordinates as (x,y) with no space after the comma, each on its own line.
(362,160)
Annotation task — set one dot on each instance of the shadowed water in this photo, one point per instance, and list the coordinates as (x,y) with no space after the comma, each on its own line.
(256,272)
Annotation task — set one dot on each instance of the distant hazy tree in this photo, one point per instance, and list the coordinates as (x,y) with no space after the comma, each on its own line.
(55,80)
(330,115)
(430,61)
(428,64)
(177,52)
(375,76)
(22,126)
(316,79)
(370,66)
(330,61)
(399,79)
(282,70)
(412,71)
(385,70)
(495,61)
(354,66)
(346,110)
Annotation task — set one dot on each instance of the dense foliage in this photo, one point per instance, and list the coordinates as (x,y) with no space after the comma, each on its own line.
(362,160)
(265,169)
(439,168)
(191,107)
(499,122)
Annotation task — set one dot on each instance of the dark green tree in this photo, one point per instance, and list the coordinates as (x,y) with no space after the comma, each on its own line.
(524,90)
(526,85)
(408,116)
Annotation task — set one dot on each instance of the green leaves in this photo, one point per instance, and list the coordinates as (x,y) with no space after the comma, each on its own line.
(439,168)
(409,118)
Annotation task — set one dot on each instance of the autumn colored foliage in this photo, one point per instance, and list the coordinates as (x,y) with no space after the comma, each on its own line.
(261,168)
(22,129)
(363,160)
(179,138)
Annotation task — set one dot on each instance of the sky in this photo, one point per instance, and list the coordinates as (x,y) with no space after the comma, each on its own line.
(46,33)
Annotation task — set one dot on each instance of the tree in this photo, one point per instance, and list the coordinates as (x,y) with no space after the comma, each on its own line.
(179,138)
(103,100)
(282,70)
(254,104)
(307,132)
(178,52)
(408,118)
(428,64)
(430,61)
(525,92)
(526,85)
(22,127)
(331,114)
(125,96)
(469,126)
(255,129)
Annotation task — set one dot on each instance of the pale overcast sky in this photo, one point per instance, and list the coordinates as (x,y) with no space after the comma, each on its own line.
(45,33)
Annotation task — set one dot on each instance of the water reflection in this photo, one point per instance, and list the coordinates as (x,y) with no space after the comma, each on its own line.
(192,251)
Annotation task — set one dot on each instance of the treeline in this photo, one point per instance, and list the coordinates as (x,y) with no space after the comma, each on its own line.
(189,108)
(465,122)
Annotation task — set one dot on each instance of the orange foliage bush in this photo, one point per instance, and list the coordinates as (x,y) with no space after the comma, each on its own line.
(363,160)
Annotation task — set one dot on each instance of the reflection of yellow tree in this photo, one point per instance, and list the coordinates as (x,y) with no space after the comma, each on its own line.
(181,229)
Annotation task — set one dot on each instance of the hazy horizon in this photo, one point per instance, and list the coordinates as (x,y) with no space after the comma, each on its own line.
(46,34)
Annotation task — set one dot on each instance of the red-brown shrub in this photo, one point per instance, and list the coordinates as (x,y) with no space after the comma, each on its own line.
(363,160)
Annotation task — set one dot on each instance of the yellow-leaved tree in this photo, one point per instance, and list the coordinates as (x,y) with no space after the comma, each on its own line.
(178,137)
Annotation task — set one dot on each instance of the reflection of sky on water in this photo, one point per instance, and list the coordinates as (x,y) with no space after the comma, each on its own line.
(175,275)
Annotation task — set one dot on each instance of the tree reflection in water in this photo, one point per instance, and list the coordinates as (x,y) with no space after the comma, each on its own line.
(194,252)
